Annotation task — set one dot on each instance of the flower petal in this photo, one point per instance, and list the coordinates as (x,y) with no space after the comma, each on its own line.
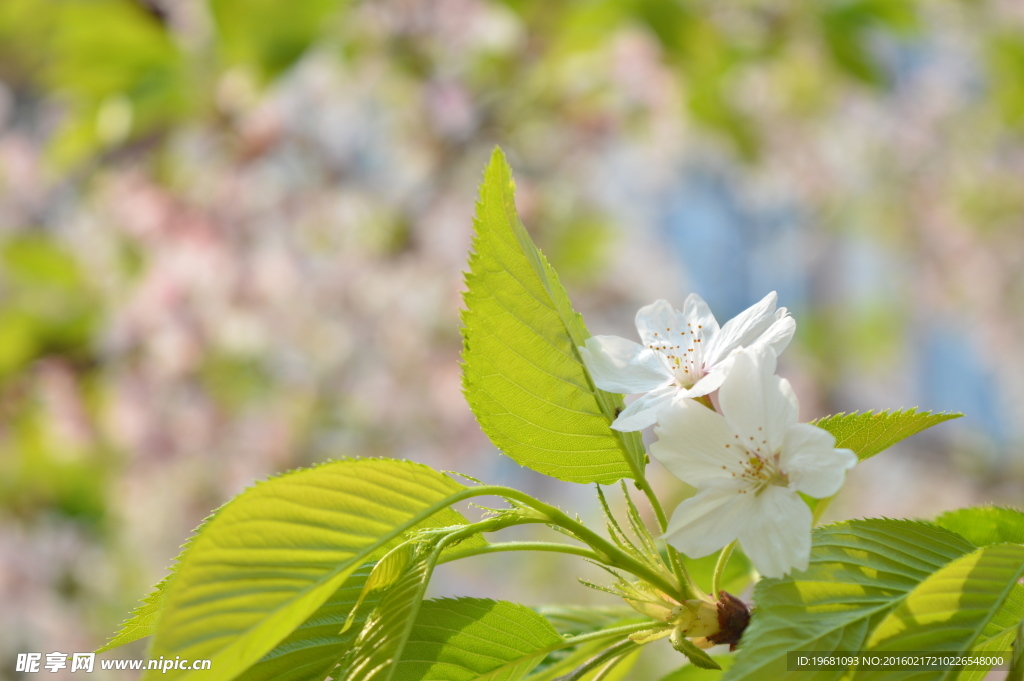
(655,320)
(711,519)
(697,313)
(778,335)
(743,329)
(777,536)
(758,405)
(813,464)
(644,411)
(695,444)
(622,366)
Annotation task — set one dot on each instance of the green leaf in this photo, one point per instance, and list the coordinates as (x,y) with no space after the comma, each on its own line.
(949,611)
(998,635)
(985,525)
(869,433)
(471,638)
(859,571)
(311,651)
(691,673)
(1017,665)
(382,642)
(143,621)
(272,556)
(311,633)
(522,374)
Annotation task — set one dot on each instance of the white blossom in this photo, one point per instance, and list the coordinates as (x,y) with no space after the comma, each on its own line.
(684,354)
(748,463)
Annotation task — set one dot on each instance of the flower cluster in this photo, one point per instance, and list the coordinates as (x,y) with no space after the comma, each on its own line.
(727,425)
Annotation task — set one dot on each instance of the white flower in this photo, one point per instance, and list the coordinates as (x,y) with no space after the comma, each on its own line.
(748,463)
(684,354)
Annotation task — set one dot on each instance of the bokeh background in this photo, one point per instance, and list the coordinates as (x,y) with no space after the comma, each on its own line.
(232,235)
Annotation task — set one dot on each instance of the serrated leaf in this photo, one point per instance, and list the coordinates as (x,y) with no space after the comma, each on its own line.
(476,639)
(142,622)
(143,619)
(523,375)
(948,612)
(869,433)
(859,571)
(985,525)
(268,559)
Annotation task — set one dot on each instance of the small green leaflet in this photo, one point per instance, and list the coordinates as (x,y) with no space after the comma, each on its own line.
(522,374)
(859,571)
(696,656)
(985,525)
(948,612)
(271,557)
(691,673)
(869,433)
(472,639)
(386,631)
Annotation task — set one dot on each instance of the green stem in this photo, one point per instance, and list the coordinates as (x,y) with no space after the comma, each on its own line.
(608,669)
(617,650)
(624,630)
(659,512)
(819,509)
(551,547)
(608,553)
(611,555)
(723,560)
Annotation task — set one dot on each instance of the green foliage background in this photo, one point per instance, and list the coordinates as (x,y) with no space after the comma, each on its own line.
(232,236)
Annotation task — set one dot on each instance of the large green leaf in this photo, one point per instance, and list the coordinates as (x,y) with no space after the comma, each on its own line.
(268,559)
(869,433)
(985,525)
(311,651)
(523,375)
(859,571)
(314,634)
(473,639)
(143,620)
(949,611)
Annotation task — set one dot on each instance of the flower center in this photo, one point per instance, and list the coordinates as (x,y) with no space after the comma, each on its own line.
(681,353)
(759,468)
